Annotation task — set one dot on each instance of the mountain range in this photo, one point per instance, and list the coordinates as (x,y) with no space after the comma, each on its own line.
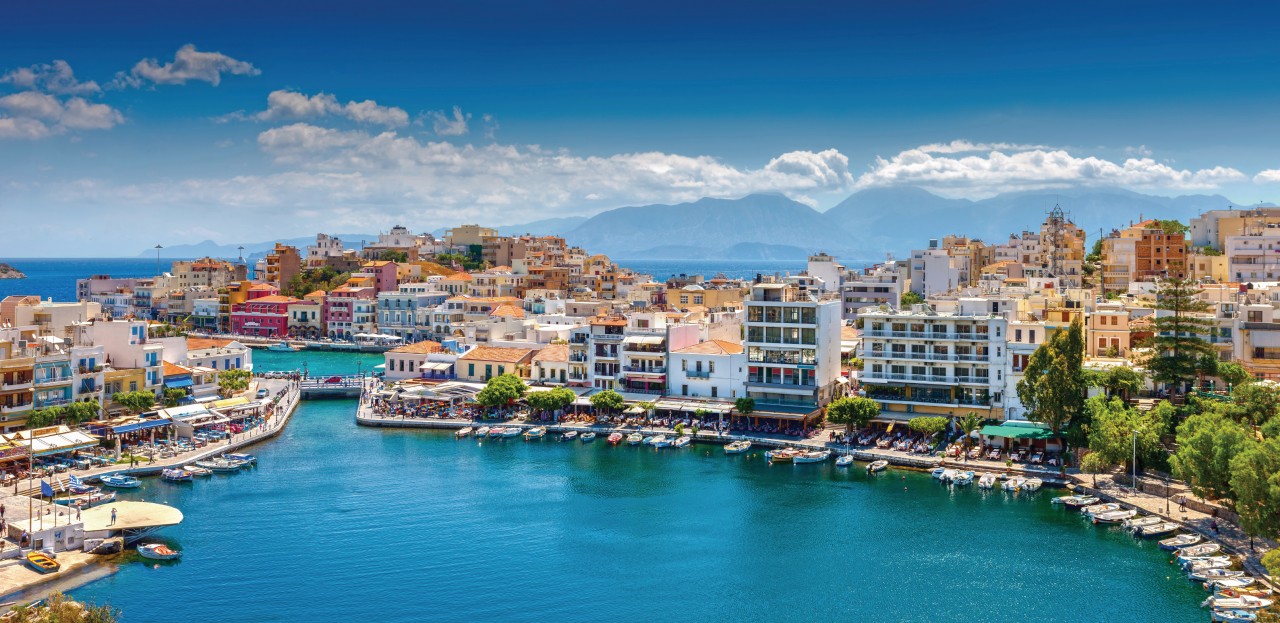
(868,224)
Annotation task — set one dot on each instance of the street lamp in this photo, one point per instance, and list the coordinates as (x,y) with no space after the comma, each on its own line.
(1135,461)
(158,247)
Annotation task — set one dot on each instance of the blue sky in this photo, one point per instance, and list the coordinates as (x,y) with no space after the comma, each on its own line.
(206,121)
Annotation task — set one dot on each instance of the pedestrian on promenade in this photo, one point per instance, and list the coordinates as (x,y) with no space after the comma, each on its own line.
(1213,525)
(1182,503)
(113,516)
(1,511)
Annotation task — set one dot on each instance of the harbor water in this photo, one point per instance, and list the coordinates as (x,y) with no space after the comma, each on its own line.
(340,523)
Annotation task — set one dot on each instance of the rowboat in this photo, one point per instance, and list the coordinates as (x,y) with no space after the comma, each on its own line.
(157,551)
(87,500)
(219,465)
(1141,522)
(681,441)
(1229,583)
(512,431)
(1160,529)
(1207,564)
(197,471)
(245,459)
(41,563)
(987,481)
(812,456)
(737,447)
(615,438)
(844,460)
(1243,602)
(1100,508)
(1257,591)
(1182,540)
(877,466)
(1080,501)
(1032,484)
(1113,516)
(176,475)
(661,441)
(1199,550)
(785,455)
(482,431)
(648,441)
(588,436)
(634,439)
(496,431)
(121,481)
(938,472)
(569,435)
(962,478)
(537,432)
(1013,484)
(1213,573)
(463,432)
(1234,616)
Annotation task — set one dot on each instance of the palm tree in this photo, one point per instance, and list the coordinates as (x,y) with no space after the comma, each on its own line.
(969,424)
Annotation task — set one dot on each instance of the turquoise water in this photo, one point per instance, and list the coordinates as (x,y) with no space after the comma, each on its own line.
(340,523)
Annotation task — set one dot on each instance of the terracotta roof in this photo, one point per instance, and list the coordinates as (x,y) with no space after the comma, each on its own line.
(460,276)
(258,287)
(712,347)
(201,343)
(507,310)
(425,347)
(497,353)
(553,353)
(849,333)
(317,293)
(608,322)
(173,369)
(275,298)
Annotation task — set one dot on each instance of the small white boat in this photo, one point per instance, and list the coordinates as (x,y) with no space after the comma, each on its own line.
(1214,574)
(681,441)
(634,439)
(784,455)
(615,438)
(648,441)
(1230,583)
(1013,484)
(948,475)
(1233,616)
(1080,501)
(737,447)
(1141,522)
(844,460)
(1032,484)
(537,432)
(176,475)
(587,436)
(121,481)
(463,432)
(482,431)
(962,478)
(196,470)
(659,441)
(1100,508)
(1208,549)
(569,435)
(1114,516)
(281,347)
(1243,602)
(1157,530)
(158,551)
(938,472)
(514,431)
(877,466)
(813,456)
(1205,562)
(987,481)
(1180,541)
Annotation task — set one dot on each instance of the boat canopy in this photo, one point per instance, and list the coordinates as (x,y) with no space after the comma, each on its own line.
(1018,430)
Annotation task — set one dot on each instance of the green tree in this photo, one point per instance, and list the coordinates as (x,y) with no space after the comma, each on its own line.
(1207,443)
(1258,402)
(1117,381)
(1172,227)
(135,402)
(1271,560)
(174,396)
(852,411)
(41,418)
(551,400)
(501,390)
(1111,433)
(392,255)
(1053,385)
(930,426)
(1233,374)
(232,382)
(969,423)
(607,401)
(1179,344)
(910,298)
(744,405)
(1255,485)
(1094,463)
(79,412)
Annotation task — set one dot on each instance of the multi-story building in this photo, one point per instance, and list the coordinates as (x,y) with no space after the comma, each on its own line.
(17,378)
(465,236)
(398,241)
(919,361)
(127,345)
(604,351)
(1107,331)
(1213,228)
(263,316)
(306,317)
(406,313)
(648,337)
(485,362)
(881,284)
(1063,245)
(1254,254)
(204,273)
(1257,340)
(217,354)
(551,365)
(934,271)
(326,249)
(793,347)
(281,265)
(1024,337)
(420,360)
(711,369)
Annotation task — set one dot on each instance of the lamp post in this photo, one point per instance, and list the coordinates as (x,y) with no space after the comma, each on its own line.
(1135,461)
(158,247)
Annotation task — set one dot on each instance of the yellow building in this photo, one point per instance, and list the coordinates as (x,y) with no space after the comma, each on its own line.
(1214,267)
(17,375)
(485,362)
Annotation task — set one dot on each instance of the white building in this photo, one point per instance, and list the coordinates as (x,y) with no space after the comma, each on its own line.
(793,347)
(1255,256)
(710,369)
(1024,337)
(421,360)
(218,355)
(824,267)
(934,271)
(126,345)
(882,284)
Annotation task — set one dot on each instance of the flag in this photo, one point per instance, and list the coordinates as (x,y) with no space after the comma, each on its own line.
(75,480)
(45,489)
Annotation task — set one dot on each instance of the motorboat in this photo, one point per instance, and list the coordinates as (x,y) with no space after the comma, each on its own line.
(244,459)
(1114,516)
(634,439)
(844,460)
(1081,501)
(1013,484)
(537,432)
(1180,541)
(962,478)
(1233,616)
(86,500)
(482,431)
(1256,591)
(197,471)
(648,441)
(121,481)
(1160,529)
(877,466)
(463,432)
(812,456)
(41,562)
(737,447)
(659,441)
(176,475)
(1100,508)
(1220,560)
(219,465)
(938,472)
(948,475)
(1141,522)
(1032,484)
(496,431)
(614,438)
(1213,574)
(1230,583)
(785,455)
(569,435)
(681,441)
(158,551)
(1243,602)
(513,431)
(1208,549)
(587,436)
(281,347)
(987,481)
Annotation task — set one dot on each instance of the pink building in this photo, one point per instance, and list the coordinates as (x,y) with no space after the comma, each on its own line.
(262,316)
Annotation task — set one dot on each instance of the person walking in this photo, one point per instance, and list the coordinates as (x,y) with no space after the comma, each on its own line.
(113,516)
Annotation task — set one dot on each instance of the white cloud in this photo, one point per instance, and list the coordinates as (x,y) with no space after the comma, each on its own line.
(962,146)
(444,125)
(292,105)
(995,172)
(32,115)
(1267,176)
(187,64)
(490,127)
(56,77)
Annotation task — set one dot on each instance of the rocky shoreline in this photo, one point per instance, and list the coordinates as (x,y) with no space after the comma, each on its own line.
(9,272)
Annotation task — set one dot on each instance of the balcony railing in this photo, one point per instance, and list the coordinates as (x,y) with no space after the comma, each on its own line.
(809,387)
(698,374)
(608,337)
(53,380)
(645,370)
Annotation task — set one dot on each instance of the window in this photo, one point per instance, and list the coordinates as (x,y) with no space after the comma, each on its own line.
(713,391)
(684,390)
(471,369)
(711,367)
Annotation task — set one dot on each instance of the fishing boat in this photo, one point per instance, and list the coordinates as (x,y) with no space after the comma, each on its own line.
(1114,516)
(812,456)
(587,436)
(877,466)
(1215,574)
(615,438)
(569,435)
(785,455)
(681,441)
(962,478)
(938,472)
(41,562)
(1032,484)
(987,481)
(121,481)
(1208,562)
(514,431)
(243,459)
(1229,583)
(176,475)
(1081,501)
(737,447)
(1013,484)
(661,441)
(537,432)
(1180,541)
(219,465)
(1063,499)
(648,441)
(1100,508)
(1141,522)
(844,460)
(463,432)
(1160,529)
(1256,591)
(1234,616)
(281,347)
(496,431)
(1208,549)
(158,551)
(634,439)
(88,500)
(482,431)
(197,471)
(1243,602)
(948,475)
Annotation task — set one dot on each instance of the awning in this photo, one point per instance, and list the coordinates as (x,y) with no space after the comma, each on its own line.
(204,399)
(644,339)
(435,365)
(231,402)
(137,426)
(1018,430)
(178,383)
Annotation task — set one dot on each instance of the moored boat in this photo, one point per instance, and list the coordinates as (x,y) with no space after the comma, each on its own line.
(661,441)
(634,439)
(1205,562)
(812,456)
(1032,484)
(784,455)
(987,481)
(569,435)
(962,478)
(1113,516)
(197,470)
(41,562)
(219,465)
(463,432)
(1013,484)
(513,431)
(482,431)
(176,475)
(1158,530)
(1208,549)
(1100,508)
(1203,574)
(1234,616)
(938,472)
(537,432)
(243,459)
(1243,602)
(844,460)
(281,347)
(158,551)
(877,466)
(1228,583)
(615,438)
(1182,540)
(1081,501)
(681,441)
(587,436)
(1141,522)
(737,447)
(121,481)
(496,431)
(1256,591)
(648,441)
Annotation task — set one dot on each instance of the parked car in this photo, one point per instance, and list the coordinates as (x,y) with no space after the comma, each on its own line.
(263,393)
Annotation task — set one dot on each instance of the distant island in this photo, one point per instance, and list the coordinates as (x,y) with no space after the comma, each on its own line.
(9,272)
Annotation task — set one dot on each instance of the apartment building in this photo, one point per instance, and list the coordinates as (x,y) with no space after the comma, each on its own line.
(712,369)
(882,284)
(281,265)
(1107,331)
(1254,254)
(793,347)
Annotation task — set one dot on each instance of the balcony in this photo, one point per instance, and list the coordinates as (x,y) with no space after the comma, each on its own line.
(57,402)
(781,386)
(16,385)
(53,380)
(578,358)
(17,408)
(608,337)
(645,370)
(698,374)
(926,335)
